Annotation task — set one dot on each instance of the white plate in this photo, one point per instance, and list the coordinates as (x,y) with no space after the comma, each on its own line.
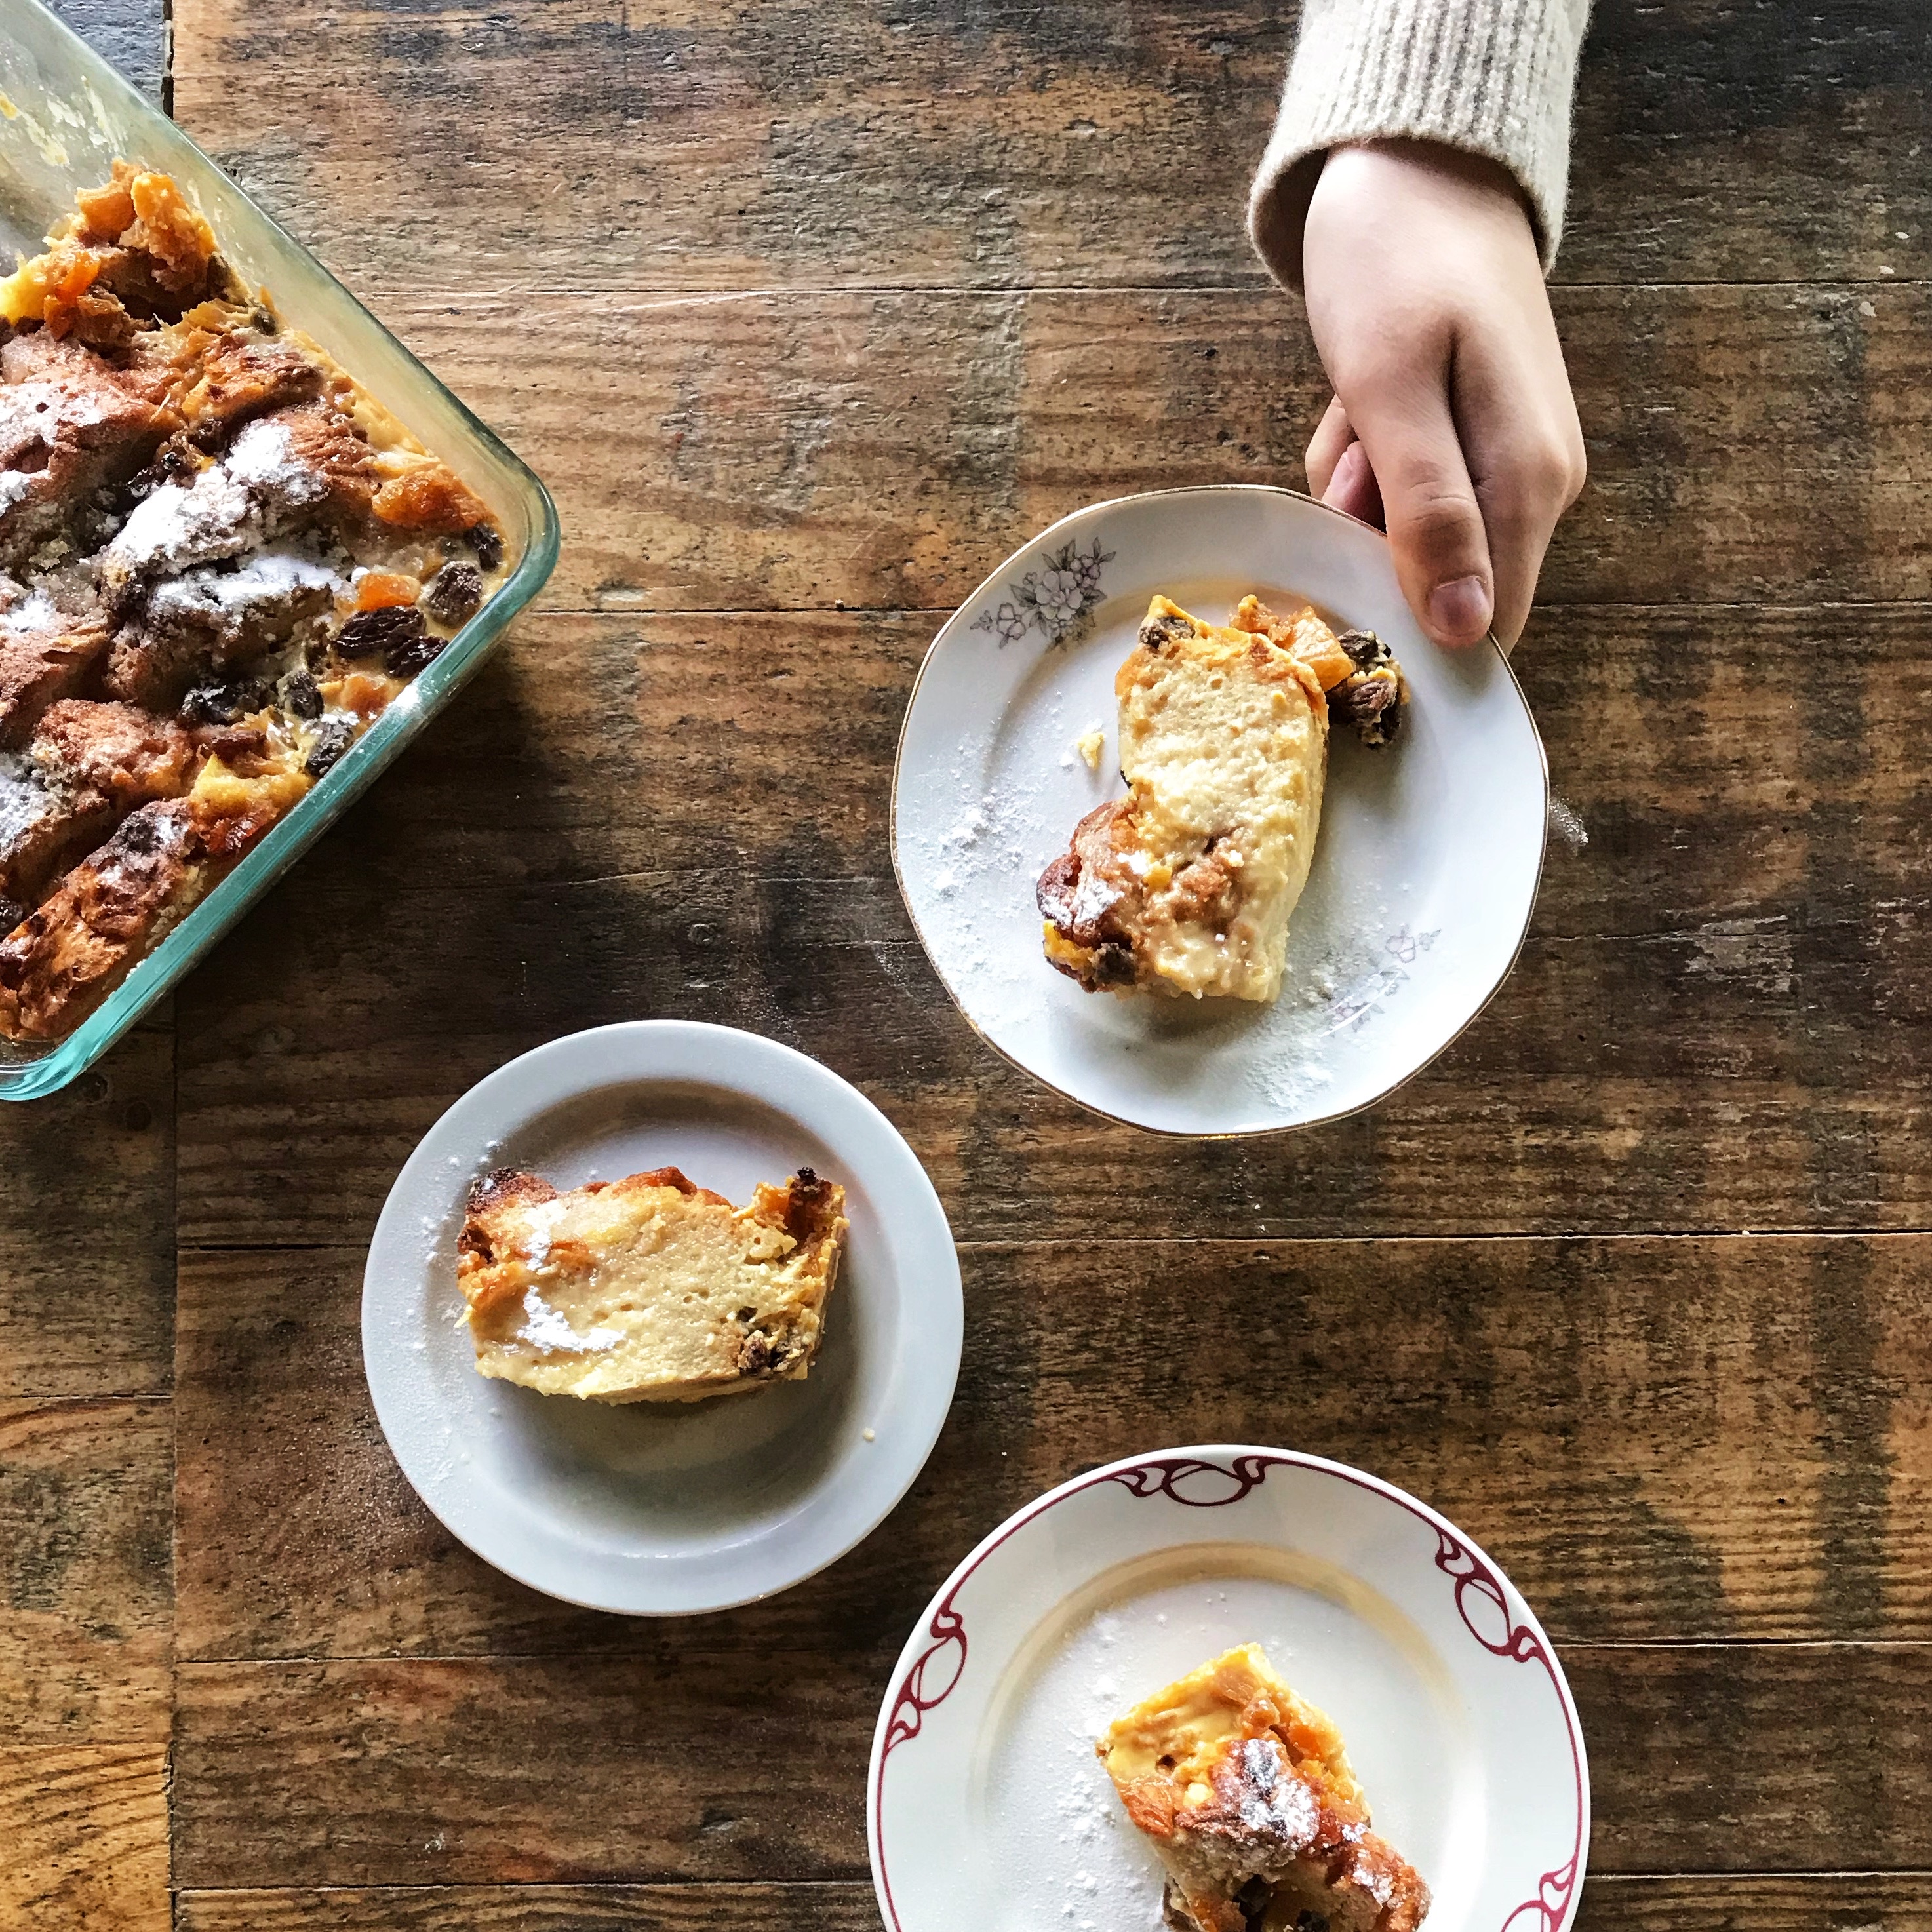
(668,1509)
(1425,872)
(988,1810)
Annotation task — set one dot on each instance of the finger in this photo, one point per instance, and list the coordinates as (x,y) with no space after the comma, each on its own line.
(1354,489)
(1520,533)
(1430,510)
(1332,436)
(1527,465)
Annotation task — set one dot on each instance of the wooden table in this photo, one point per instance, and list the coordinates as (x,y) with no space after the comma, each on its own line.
(809,313)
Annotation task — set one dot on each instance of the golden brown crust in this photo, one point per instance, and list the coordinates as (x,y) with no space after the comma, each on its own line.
(61,961)
(1246,1791)
(127,754)
(188,524)
(648,1287)
(41,664)
(69,424)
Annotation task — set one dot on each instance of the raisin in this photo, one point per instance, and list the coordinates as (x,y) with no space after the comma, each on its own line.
(222,703)
(332,738)
(487,541)
(11,913)
(1365,649)
(370,631)
(421,651)
(455,594)
(302,696)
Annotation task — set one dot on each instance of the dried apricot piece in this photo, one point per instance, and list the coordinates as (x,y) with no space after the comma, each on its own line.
(378,589)
(429,496)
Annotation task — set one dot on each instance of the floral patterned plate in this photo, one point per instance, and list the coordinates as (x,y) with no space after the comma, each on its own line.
(987,1808)
(1424,876)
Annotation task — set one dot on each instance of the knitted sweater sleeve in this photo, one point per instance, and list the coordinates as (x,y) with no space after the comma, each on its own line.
(1494,77)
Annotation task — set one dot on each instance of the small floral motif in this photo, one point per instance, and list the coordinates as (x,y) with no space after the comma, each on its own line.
(1368,992)
(1057,599)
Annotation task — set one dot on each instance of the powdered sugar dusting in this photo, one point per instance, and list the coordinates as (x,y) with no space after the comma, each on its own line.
(226,599)
(1283,1811)
(1051,1821)
(549,1329)
(34,612)
(24,800)
(230,508)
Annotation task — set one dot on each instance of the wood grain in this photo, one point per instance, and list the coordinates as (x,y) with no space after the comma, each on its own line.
(1836,1902)
(632,816)
(799,308)
(86,1594)
(888,450)
(834,1907)
(86,1833)
(132,34)
(87,1226)
(674,144)
(1902,1902)
(1661,1439)
(473,1772)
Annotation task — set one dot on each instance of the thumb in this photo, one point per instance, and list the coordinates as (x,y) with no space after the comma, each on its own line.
(1434,522)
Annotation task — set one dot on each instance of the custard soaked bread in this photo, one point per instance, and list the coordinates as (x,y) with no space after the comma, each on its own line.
(219,560)
(1186,885)
(1246,1791)
(649,1288)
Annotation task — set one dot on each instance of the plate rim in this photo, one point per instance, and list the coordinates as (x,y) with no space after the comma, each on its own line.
(939,1626)
(946,1285)
(1012,562)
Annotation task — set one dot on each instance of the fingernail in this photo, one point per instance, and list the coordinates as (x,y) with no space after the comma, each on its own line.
(1461,610)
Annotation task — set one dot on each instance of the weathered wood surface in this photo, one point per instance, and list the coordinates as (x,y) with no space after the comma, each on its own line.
(888,450)
(800,306)
(1718,1021)
(87,1230)
(1901,1902)
(1659,1439)
(686,144)
(834,1906)
(476,1771)
(132,34)
(86,1836)
(85,1529)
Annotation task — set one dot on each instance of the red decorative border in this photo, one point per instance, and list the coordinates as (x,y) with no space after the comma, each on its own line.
(1488,1621)
(1481,1601)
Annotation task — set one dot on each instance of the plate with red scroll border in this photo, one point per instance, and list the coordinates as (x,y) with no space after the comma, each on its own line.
(988,1810)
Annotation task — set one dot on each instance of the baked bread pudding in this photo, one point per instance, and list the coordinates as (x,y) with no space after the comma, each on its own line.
(1245,1791)
(647,1289)
(219,560)
(1186,885)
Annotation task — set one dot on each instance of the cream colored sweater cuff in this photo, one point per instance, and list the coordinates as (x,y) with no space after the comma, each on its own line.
(1494,77)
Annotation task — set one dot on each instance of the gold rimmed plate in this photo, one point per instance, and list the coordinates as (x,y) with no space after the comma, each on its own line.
(1424,876)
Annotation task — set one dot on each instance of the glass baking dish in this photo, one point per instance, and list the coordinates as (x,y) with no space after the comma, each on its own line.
(65,115)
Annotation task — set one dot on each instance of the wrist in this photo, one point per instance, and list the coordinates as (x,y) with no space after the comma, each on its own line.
(1429,177)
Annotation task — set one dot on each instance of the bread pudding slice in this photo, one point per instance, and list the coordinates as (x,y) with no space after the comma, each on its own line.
(1185,886)
(1246,1791)
(649,1288)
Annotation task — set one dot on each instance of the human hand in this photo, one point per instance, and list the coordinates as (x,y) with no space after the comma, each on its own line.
(1452,425)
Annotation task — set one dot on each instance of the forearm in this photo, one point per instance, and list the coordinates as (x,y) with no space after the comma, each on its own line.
(1492,77)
